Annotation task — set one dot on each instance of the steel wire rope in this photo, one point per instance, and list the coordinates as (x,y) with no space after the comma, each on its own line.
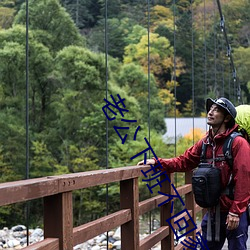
(205,47)
(205,50)
(27,206)
(221,68)
(175,87)
(237,88)
(192,71)
(221,46)
(215,52)
(106,83)
(149,121)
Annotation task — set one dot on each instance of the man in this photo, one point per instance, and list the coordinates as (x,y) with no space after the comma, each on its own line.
(221,115)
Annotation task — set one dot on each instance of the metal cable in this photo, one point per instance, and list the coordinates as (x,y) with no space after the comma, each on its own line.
(174,74)
(27,207)
(205,50)
(175,88)
(106,82)
(193,94)
(229,54)
(215,52)
(149,122)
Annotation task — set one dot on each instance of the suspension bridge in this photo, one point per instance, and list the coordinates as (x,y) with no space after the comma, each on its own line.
(56,191)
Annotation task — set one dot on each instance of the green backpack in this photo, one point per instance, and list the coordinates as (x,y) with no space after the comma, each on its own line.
(243,120)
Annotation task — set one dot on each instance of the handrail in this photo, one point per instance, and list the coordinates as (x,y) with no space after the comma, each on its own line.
(56,192)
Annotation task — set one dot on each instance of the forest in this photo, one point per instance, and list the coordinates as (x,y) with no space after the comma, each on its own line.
(164,58)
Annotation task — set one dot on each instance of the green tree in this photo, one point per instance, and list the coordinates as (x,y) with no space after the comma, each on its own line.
(135,81)
(53,25)
(6,17)
(84,13)
(241,56)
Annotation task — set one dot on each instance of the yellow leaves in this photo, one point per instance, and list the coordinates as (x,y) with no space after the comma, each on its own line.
(166,96)
(171,85)
(195,134)
(161,16)
(188,107)
(6,17)
(159,53)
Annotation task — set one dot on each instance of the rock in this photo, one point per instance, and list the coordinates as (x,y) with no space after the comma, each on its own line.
(117,245)
(3,233)
(91,242)
(117,235)
(16,238)
(100,238)
(38,232)
(13,243)
(111,240)
(103,243)
(95,248)
(111,233)
(18,228)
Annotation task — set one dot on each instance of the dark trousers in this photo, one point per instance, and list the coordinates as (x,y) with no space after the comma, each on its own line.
(237,238)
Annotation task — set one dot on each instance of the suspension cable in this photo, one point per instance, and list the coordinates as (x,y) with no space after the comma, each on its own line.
(149,121)
(215,52)
(175,88)
(27,207)
(229,53)
(192,77)
(174,74)
(205,49)
(106,82)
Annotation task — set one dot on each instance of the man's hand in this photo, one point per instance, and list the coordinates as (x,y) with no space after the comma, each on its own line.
(232,222)
(148,162)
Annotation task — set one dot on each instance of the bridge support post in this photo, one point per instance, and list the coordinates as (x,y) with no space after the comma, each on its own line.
(129,198)
(58,219)
(168,242)
(190,202)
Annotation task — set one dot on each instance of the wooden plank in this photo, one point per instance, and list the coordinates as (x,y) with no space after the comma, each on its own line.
(150,204)
(153,202)
(46,244)
(98,177)
(154,238)
(129,196)
(185,189)
(58,219)
(181,216)
(90,230)
(24,190)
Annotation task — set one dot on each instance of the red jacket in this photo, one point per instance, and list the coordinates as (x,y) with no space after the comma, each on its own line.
(241,167)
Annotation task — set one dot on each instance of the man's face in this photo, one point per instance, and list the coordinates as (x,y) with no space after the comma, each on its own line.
(215,116)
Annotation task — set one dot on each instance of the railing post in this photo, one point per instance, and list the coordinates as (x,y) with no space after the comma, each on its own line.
(129,198)
(58,219)
(190,202)
(168,242)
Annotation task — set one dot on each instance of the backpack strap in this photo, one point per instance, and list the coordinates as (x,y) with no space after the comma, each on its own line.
(227,148)
(203,152)
(227,151)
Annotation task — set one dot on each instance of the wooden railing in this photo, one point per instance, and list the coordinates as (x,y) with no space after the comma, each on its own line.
(56,192)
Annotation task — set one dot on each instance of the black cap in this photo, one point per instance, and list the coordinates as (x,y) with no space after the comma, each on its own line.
(223,103)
